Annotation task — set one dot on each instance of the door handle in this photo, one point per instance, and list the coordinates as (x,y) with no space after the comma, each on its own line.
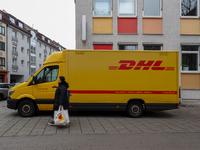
(54,86)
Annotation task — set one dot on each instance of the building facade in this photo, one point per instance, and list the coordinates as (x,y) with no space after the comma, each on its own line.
(3,49)
(25,49)
(145,25)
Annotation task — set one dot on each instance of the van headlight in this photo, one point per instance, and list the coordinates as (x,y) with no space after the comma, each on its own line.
(11,92)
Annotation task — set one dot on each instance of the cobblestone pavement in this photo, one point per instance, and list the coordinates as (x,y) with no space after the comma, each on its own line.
(183,120)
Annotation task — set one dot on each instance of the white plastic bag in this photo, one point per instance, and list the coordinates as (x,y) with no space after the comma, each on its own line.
(61,117)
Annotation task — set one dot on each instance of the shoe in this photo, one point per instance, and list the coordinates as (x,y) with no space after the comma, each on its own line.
(51,123)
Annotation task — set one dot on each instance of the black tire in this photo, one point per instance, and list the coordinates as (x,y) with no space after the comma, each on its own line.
(135,109)
(1,97)
(26,108)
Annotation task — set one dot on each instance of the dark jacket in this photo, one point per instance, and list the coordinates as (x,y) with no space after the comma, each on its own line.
(61,97)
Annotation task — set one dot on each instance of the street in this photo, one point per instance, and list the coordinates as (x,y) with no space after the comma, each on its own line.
(172,129)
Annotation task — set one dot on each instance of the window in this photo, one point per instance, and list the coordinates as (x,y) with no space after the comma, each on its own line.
(127,47)
(14,34)
(48,74)
(152,8)
(14,48)
(40,65)
(2,61)
(40,55)
(189,8)
(27,51)
(43,37)
(190,55)
(22,62)
(102,8)
(12,20)
(33,70)
(22,36)
(127,8)
(28,64)
(33,51)
(0,16)
(152,47)
(2,30)
(48,41)
(14,62)
(22,49)
(2,46)
(33,61)
(20,25)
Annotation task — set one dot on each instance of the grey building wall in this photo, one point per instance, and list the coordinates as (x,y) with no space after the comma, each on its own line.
(171,38)
(21,73)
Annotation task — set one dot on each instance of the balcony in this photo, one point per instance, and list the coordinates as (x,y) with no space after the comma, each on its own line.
(15,53)
(14,39)
(45,51)
(14,67)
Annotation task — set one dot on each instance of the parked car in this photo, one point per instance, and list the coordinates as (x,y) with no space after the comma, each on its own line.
(14,84)
(4,87)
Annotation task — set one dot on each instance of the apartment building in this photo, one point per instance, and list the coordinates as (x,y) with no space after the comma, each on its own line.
(26,49)
(145,25)
(3,49)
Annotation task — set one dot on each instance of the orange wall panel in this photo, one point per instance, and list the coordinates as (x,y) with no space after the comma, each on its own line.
(127,25)
(103,25)
(190,26)
(152,25)
(190,81)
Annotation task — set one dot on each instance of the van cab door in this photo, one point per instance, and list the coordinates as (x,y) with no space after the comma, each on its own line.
(45,87)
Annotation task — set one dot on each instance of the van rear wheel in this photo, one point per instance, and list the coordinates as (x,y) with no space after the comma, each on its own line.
(135,109)
(26,108)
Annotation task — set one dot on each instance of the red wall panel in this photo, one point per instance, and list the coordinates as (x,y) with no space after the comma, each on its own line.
(127,25)
(102,46)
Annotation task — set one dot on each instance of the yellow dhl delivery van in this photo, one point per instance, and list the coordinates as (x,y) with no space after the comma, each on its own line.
(131,81)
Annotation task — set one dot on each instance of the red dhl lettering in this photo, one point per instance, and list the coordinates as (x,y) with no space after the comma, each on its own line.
(141,65)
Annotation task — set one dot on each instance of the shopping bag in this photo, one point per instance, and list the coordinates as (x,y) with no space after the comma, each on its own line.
(60,117)
(66,116)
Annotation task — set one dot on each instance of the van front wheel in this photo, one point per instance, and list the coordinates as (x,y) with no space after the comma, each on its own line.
(135,109)
(26,108)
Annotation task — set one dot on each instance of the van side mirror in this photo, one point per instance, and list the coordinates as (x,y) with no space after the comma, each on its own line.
(34,79)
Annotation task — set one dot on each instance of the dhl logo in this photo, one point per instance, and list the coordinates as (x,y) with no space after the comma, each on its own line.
(141,65)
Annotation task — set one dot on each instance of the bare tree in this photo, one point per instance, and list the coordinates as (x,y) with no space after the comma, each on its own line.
(188,7)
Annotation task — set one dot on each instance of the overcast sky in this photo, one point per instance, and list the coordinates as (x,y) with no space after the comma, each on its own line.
(53,18)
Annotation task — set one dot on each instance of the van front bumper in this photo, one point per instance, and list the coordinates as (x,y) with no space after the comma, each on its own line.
(12,103)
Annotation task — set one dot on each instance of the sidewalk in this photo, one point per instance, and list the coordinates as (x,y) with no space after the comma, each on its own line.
(190,102)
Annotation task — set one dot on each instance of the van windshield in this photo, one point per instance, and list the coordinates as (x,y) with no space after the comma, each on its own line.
(48,74)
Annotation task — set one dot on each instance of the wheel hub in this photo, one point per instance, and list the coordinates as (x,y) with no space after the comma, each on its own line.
(135,109)
(26,109)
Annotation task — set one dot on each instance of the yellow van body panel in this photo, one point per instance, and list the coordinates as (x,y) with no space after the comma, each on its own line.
(114,77)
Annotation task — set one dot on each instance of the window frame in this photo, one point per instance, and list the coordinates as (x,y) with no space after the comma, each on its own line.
(12,20)
(20,25)
(190,52)
(127,16)
(189,16)
(1,27)
(161,11)
(1,61)
(3,49)
(44,69)
(105,16)
(161,47)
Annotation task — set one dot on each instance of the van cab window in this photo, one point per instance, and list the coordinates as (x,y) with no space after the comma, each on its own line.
(48,74)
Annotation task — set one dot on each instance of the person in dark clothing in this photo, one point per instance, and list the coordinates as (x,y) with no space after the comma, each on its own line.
(61,97)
